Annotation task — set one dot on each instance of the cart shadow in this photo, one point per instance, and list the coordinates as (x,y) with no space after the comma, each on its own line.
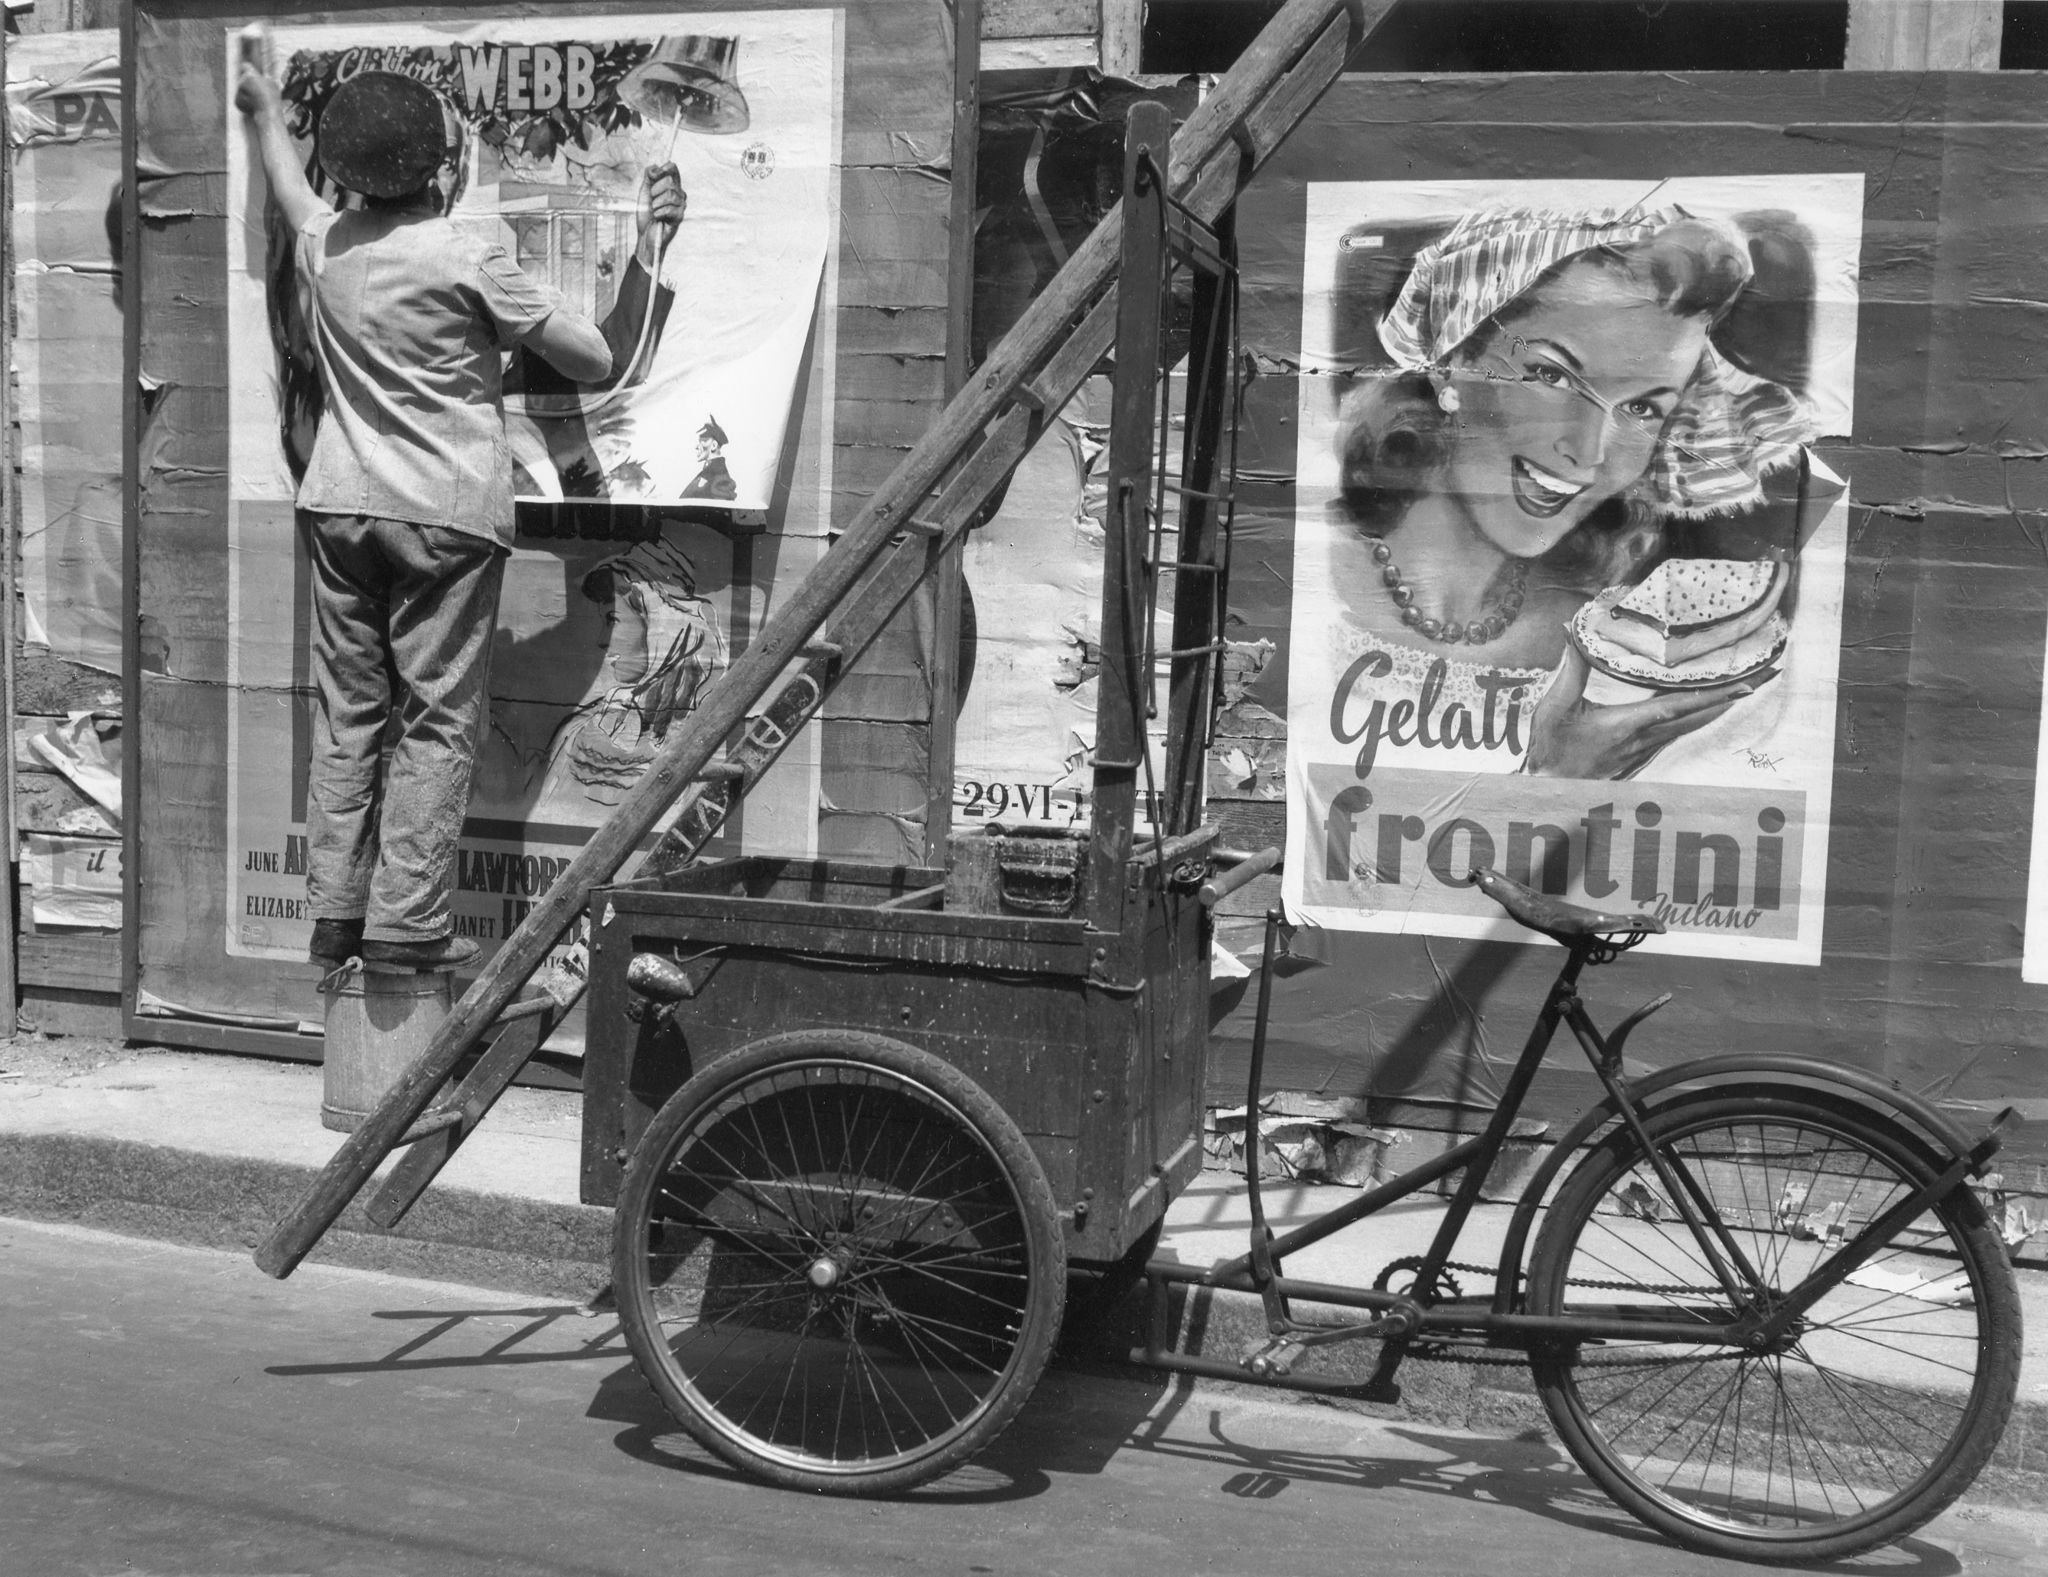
(1080,1417)
(1009,1470)
(1526,1472)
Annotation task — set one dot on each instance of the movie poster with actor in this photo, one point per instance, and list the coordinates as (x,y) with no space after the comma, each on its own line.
(639,165)
(1568,567)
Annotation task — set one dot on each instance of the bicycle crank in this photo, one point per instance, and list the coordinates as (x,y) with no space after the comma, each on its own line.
(1276,1356)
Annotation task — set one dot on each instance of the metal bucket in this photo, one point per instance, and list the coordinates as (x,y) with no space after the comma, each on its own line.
(377,1025)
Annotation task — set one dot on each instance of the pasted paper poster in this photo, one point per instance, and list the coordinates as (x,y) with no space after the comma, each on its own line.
(1568,572)
(560,124)
(1031,645)
(607,636)
(2034,951)
(64,133)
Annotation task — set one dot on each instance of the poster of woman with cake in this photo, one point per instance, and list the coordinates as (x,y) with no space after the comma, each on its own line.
(1567,588)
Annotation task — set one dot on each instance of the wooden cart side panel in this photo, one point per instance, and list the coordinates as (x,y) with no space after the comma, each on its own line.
(1020,1037)
(1167,1066)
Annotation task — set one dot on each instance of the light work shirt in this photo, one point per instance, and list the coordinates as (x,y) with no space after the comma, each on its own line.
(409,315)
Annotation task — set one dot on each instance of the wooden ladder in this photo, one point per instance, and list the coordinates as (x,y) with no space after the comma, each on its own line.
(939,492)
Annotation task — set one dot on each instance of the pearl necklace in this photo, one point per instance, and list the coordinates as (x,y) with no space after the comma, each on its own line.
(1478,632)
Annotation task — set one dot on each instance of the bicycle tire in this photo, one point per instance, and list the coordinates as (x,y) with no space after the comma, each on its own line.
(838,1262)
(1874,1419)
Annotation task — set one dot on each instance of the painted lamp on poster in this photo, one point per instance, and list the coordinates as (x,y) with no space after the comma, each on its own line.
(1568,576)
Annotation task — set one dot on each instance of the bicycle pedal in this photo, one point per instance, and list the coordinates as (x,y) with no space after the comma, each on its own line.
(1273,1360)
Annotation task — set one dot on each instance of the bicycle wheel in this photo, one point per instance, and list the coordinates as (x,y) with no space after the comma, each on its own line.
(1878,1408)
(838,1262)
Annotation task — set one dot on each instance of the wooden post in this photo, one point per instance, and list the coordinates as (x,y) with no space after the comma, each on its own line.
(10,629)
(1120,742)
(1123,36)
(1925,35)
(948,589)
(131,532)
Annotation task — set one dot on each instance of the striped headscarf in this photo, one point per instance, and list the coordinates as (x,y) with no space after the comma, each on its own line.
(1730,430)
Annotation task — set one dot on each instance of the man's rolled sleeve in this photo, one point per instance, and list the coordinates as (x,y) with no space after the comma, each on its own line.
(516,303)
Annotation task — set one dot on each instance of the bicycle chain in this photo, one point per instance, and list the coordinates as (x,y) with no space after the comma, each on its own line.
(1453,1351)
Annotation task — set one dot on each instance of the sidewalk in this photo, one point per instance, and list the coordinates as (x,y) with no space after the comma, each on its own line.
(212,1149)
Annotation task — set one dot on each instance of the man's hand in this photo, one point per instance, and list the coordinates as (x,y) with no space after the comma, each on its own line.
(255,94)
(662,203)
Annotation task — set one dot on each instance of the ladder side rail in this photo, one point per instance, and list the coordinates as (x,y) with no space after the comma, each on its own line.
(1275,60)
(1199,601)
(510,1050)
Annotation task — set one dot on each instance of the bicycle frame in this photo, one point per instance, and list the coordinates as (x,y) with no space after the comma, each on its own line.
(1766,1318)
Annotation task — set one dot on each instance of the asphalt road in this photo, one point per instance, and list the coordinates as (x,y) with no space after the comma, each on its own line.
(171,1411)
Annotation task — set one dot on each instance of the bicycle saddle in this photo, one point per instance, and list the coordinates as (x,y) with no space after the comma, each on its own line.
(1569,923)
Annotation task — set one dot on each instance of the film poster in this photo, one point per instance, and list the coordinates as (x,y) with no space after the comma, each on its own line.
(605,636)
(1568,568)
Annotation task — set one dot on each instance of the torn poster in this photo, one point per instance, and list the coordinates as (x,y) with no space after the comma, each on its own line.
(64,135)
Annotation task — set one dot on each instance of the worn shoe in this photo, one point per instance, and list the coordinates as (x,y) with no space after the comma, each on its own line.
(335,942)
(442,952)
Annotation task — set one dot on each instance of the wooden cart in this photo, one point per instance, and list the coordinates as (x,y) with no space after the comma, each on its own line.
(859,1120)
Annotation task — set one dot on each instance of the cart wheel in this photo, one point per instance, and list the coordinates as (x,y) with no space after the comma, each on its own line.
(838,1262)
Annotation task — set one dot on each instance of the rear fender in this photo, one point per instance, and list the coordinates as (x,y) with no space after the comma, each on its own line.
(1759,1073)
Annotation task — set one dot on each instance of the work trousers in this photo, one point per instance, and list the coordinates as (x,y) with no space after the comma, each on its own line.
(403,621)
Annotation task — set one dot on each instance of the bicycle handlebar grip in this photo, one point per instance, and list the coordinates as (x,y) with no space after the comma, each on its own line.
(1249,869)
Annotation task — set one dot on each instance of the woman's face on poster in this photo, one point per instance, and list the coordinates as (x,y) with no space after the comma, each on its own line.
(624,629)
(1560,407)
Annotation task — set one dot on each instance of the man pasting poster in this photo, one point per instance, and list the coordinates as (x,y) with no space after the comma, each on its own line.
(565,140)
(1568,574)
(639,167)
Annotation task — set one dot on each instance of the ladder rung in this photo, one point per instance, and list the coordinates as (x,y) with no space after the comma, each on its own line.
(1195,241)
(1195,492)
(527,1007)
(924,527)
(432,1122)
(1183,567)
(1192,651)
(829,651)
(1030,393)
(721,771)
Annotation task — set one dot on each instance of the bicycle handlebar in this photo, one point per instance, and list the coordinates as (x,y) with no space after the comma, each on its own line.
(1249,868)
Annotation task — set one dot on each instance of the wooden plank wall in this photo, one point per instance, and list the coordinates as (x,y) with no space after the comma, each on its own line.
(62,978)
(1940,698)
